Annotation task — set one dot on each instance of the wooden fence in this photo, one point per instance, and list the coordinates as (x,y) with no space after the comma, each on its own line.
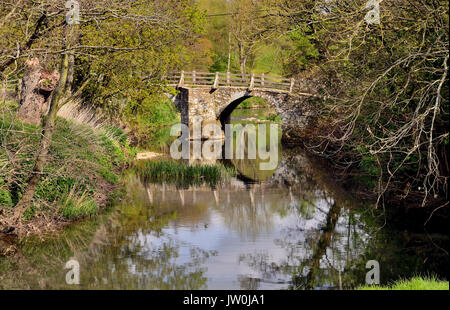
(218,79)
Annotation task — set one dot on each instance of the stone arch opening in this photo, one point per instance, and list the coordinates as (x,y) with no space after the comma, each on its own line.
(258,112)
(225,116)
(254,108)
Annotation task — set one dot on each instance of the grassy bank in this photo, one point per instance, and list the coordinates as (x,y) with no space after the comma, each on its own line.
(81,176)
(416,283)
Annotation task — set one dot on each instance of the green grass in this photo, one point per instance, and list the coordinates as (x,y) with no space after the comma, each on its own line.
(82,162)
(268,61)
(254,102)
(172,172)
(416,283)
(152,130)
(77,205)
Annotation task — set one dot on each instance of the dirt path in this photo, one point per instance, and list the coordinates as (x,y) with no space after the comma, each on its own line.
(148,155)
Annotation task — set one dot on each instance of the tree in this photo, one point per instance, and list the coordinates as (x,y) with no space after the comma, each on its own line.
(122,50)
(253,22)
(387,92)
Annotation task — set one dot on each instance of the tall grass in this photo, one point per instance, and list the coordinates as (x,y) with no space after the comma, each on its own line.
(93,120)
(88,116)
(75,205)
(182,174)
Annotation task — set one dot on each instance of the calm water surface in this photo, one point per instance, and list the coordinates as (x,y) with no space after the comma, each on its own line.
(293,227)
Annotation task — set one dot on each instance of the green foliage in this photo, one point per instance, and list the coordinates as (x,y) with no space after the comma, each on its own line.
(114,154)
(116,133)
(416,283)
(383,90)
(75,208)
(275,118)
(224,30)
(108,175)
(52,189)
(254,102)
(269,58)
(5,196)
(152,128)
(302,53)
(129,86)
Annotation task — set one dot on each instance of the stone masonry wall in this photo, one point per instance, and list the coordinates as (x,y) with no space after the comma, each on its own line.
(295,111)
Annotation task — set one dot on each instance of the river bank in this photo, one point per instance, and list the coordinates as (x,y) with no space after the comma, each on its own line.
(82,178)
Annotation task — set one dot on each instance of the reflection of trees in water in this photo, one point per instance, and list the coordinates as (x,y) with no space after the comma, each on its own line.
(145,266)
(247,283)
(128,248)
(318,249)
(138,255)
(117,252)
(248,214)
(39,264)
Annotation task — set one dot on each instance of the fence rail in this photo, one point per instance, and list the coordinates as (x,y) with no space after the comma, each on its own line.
(220,79)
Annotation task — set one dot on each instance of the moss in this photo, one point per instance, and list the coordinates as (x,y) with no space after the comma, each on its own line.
(5,198)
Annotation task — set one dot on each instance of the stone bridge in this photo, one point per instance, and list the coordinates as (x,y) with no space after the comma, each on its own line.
(214,96)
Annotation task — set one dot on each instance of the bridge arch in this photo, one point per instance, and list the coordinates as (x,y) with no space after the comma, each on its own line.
(216,104)
(232,98)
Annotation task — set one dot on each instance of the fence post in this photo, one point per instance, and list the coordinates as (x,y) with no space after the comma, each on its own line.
(292,85)
(262,80)
(181,82)
(252,82)
(194,77)
(228,79)
(216,81)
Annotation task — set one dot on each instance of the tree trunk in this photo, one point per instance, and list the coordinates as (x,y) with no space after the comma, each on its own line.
(32,101)
(73,37)
(242,58)
(229,52)
(44,146)
(37,86)
(70,74)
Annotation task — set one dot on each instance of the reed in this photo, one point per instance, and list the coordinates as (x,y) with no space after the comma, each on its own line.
(172,172)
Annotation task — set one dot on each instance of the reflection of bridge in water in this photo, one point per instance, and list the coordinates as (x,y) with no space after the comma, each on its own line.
(253,186)
(253,191)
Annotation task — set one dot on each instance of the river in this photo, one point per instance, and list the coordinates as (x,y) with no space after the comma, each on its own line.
(290,228)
